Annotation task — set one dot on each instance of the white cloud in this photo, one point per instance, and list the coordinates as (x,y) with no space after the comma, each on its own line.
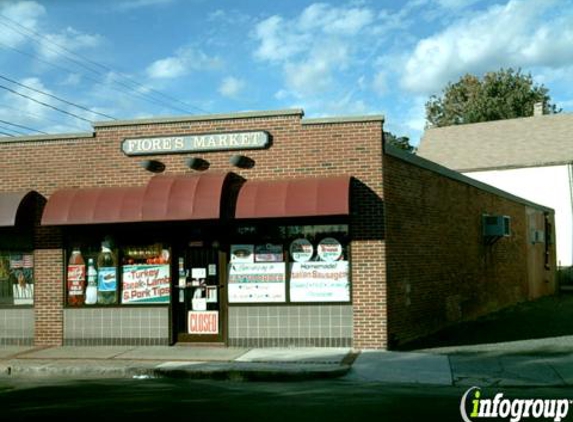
(517,34)
(278,41)
(315,46)
(456,4)
(335,20)
(380,83)
(182,63)
(53,45)
(127,6)
(25,13)
(231,87)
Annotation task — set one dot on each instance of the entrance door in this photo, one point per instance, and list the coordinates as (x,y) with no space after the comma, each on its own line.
(199,302)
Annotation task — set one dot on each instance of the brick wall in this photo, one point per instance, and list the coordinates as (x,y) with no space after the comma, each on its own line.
(439,269)
(299,149)
(49,297)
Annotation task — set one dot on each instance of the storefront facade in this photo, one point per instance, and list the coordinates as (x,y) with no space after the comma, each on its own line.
(253,229)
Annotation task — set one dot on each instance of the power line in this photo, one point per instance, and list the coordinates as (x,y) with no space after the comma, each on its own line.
(13,130)
(21,126)
(56,97)
(119,88)
(5,134)
(40,118)
(107,68)
(45,104)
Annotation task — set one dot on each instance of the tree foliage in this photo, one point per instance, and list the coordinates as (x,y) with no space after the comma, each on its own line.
(505,94)
(402,142)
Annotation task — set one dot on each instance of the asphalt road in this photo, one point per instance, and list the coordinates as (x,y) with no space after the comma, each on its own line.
(190,400)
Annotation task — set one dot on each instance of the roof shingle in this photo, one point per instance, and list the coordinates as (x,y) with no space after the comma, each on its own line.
(513,143)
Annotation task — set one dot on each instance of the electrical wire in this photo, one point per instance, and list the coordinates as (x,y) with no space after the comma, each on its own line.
(106,68)
(21,126)
(44,104)
(13,130)
(56,97)
(41,118)
(62,68)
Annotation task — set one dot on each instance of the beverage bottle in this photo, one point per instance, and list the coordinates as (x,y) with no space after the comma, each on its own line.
(107,275)
(76,278)
(182,280)
(91,289)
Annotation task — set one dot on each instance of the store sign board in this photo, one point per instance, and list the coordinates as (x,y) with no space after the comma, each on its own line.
(319,282)
(257,283)
(203,322)
(195,143)
(145,284)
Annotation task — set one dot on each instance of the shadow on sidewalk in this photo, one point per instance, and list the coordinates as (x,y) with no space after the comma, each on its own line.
(543,318)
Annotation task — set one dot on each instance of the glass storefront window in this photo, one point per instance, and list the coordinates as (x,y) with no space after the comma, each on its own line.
(281,264)
(16,278)
(103,274)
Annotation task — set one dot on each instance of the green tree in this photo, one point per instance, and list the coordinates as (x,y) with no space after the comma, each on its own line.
(402,142)
(505,94)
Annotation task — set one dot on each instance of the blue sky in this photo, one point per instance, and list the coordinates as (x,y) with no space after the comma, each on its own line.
(139,58)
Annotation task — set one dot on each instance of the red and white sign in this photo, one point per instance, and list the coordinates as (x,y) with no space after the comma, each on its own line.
(203,322)
(329,249)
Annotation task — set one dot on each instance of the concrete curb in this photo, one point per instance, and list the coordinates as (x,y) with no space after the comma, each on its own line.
(235,371)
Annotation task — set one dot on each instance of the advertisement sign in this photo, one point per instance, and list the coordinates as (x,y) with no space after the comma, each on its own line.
(146,284)
(203,322)
(242,253)
(269,253)
(257,282)
(107,279)
(17,273)
(301,250)
(329,249)
(319,282)
(76,279)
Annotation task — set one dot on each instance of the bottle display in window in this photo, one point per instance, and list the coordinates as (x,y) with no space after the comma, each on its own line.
(107,275)
(91,289)
(76,278)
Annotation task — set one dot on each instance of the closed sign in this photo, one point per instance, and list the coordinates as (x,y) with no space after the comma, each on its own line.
(204,322)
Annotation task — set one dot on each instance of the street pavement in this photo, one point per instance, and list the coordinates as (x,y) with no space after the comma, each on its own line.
(544,362)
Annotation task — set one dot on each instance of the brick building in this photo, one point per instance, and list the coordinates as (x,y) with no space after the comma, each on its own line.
(251,229)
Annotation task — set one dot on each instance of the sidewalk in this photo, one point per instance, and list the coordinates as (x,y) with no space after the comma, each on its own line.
(501,364)
(175,361)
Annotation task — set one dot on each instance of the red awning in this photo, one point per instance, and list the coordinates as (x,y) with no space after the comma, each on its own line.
(165,198)
(11,204)
(294,198)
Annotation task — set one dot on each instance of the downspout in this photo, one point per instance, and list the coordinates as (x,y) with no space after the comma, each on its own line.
(570,172)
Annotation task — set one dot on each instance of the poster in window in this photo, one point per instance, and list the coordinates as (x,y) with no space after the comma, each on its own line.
(301,250)
(269,252)
(257,282)
(22,275)
(203,322)
(319,282)
(146,284)
(242,253)
(329,249)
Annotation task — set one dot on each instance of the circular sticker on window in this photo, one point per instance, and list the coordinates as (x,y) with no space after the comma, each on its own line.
(329,249)
(301,250)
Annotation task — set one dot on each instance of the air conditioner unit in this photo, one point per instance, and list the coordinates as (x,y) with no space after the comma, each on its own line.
(496,225)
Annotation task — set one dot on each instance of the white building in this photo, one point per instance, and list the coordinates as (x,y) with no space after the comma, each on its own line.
(529,157)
